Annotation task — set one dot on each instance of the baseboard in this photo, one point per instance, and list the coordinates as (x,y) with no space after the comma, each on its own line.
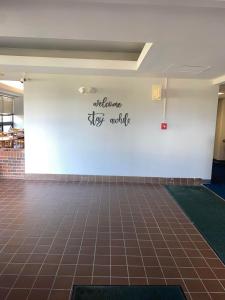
(206,181)
(114,179)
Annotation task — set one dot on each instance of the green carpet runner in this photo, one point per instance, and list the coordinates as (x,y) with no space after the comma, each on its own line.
(206,210)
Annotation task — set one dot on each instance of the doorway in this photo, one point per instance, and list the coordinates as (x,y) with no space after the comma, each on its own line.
(218,168)
(11,115)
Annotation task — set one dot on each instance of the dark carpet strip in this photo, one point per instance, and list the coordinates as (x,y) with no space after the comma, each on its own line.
(219,189)
(206,210)
(128,293)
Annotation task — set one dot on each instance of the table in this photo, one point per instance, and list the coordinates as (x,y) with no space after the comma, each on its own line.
(6,141)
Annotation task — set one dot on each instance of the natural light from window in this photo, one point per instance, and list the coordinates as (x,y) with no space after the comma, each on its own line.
(14,84)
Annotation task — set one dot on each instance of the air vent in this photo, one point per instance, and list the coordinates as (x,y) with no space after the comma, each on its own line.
(187,69)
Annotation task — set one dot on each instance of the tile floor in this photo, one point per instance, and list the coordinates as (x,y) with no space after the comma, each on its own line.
(54,235)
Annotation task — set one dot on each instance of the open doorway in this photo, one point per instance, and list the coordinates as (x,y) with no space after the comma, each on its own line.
(218,168)
(11,114)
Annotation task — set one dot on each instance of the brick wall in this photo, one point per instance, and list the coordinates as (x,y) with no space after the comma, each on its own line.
(12,163)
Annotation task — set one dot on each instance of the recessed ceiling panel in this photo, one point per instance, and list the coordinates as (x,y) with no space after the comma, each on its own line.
(70,48)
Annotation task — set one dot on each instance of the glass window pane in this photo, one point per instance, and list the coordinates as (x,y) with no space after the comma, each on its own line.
(8,106)
(6,128)
(7,118)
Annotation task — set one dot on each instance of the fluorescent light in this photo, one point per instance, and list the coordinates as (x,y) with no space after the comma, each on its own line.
(14,84)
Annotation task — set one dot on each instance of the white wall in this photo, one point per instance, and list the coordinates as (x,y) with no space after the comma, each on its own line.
(60,140)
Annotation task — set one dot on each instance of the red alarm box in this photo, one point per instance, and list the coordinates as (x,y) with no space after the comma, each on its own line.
(164,125)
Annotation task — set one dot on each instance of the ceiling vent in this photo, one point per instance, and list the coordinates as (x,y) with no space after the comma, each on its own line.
(187,69)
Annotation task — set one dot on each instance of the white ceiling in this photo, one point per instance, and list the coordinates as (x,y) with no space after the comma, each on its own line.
(192,3)
(69,45)
(187,35)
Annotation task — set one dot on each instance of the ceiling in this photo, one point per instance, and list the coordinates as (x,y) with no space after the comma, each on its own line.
(189,3)
(69,45)
(186,36)
(67,48)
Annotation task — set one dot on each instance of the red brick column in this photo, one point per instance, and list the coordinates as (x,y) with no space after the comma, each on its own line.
(12,163)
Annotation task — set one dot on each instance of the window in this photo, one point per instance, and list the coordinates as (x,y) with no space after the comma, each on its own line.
(6,112)
(6,122)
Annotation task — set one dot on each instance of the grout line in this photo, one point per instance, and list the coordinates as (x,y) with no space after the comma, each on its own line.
(119,204)
(96,233)
(137,239)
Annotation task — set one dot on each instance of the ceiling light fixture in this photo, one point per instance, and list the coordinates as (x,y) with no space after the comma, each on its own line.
(220,93)
(87,90)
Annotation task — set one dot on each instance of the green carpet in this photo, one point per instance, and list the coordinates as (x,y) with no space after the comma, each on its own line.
(128,293)
(206,210)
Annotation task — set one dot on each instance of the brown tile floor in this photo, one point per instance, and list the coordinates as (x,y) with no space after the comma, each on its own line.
(54,235)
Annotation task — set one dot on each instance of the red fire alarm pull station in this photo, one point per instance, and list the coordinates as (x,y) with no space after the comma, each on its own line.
(163,125)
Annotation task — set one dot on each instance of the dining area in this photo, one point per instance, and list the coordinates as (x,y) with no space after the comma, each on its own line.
(12,154)
(11,135)
(11,120)
(14,138)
